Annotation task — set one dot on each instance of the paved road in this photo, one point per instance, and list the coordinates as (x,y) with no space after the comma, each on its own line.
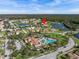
(48,56)
(53,55)
(7,51)
(18,45)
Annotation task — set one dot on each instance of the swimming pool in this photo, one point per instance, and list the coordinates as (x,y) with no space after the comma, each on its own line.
(49,40)
(23,25)
(46,41)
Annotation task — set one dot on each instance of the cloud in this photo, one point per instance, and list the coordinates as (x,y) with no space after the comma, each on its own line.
(54,3)
(34,7)
(73,11)
(7,11)
(34,0)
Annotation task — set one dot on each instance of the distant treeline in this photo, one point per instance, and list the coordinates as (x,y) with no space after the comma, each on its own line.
(59,18)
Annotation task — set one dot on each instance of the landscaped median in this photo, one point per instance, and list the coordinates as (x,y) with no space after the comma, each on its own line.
(76,40)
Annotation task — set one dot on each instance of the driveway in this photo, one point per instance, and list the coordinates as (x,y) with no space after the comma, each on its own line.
(18,45)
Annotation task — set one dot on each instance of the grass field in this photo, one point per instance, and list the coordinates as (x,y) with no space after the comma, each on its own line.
(76,40)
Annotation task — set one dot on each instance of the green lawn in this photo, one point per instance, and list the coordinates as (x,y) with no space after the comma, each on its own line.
(76,40)
(1,51)
(61,40)
(2,41)
(62,56)
(54,35)
(2,33)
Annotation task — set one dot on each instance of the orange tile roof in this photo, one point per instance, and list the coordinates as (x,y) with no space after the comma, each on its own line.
(35,41)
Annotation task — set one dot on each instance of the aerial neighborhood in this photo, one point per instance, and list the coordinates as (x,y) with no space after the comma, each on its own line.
(37,38)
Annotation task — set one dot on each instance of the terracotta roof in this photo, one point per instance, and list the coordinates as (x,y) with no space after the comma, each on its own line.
(35,41)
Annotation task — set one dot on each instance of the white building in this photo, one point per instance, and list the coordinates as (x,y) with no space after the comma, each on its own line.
(1,24)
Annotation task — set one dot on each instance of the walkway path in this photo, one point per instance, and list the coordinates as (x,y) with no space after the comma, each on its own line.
(18,45)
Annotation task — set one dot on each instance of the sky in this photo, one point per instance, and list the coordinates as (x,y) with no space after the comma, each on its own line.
(39,6)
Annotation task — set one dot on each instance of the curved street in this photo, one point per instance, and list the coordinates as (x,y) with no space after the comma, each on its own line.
(53,55)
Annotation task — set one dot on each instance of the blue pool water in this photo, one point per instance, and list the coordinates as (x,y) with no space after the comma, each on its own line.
(23,25)
(49,41)
(77,35)
(46,41)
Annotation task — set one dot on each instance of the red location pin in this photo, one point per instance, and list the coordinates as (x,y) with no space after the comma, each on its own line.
(44,21)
